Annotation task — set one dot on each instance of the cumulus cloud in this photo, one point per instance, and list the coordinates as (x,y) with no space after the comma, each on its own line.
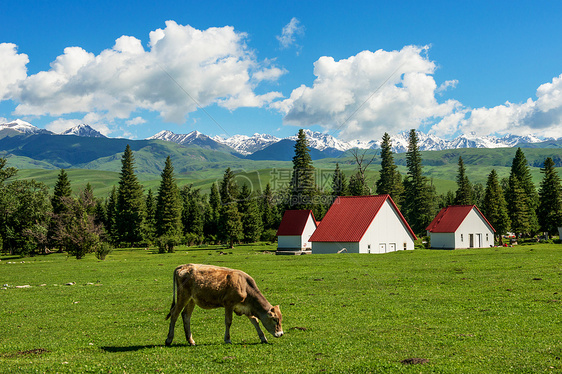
(136,121)
(289,33)
(184,68)
(368,94)
(541,117)
(12,69)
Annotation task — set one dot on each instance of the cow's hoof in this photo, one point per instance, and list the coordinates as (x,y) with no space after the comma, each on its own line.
(168,343)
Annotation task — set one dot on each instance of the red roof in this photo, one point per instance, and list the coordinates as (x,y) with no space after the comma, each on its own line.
(349,217)
(294,221)
(450,218)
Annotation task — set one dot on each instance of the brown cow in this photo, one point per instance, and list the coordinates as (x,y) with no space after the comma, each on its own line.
(214,287)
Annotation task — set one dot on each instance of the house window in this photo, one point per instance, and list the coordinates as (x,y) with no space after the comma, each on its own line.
(405,246)
(487,237)
(369,246)
(461,238)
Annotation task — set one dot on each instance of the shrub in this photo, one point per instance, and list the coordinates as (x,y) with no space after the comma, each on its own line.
(166,243)
(103,250)
(269,235)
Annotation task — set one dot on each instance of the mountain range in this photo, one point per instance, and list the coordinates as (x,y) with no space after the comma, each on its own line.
(269,147)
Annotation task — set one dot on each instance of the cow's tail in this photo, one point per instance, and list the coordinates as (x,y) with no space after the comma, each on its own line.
(173,295)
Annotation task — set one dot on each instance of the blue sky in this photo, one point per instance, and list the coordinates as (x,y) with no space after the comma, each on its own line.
(354,70)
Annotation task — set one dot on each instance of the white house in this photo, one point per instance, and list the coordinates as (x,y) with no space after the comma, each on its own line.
(460,226)
(295,231)
(363,224)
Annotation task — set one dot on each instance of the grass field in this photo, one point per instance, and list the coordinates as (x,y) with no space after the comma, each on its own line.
(491,310)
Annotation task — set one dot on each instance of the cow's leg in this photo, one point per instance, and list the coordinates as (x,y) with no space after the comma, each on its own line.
(256,324)
(174,314)
(227,323)
(186,316)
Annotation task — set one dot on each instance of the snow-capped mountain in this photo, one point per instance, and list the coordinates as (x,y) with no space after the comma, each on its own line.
(179,138)
(193,138)
(83,130)
(23,127)
(247,145)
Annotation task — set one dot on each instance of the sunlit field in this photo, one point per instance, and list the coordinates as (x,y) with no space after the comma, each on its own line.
(491,310)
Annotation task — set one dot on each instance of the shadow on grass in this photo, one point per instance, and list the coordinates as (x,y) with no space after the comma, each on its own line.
(134,348)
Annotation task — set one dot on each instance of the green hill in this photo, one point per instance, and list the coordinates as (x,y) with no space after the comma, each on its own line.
(98,161)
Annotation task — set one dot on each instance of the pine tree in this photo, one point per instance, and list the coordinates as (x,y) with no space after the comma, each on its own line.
(463,195)
(357,186)
(478,191)
(549,211)
(390,181)
(302,187)
(252,224)
(339,183)
(212,215)
(270,212)
(192,213)
(494,206)
(418,194)
(520,170)
(228,187)
(150,220)
(231,224)
(62,189)
(518,207)
(130,202)
(111,214)
(168,204)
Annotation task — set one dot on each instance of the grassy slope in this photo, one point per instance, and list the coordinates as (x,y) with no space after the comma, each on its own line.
(471,311)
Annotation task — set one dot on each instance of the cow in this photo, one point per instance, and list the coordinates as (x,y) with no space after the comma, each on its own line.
(212,287)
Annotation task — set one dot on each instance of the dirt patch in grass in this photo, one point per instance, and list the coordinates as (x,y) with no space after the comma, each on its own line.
(415,361)
(36,351)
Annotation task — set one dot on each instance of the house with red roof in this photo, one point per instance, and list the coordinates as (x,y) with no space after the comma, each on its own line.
(295,231)
(363,224)
(460,226)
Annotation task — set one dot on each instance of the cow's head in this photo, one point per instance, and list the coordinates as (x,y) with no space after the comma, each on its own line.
(272,322)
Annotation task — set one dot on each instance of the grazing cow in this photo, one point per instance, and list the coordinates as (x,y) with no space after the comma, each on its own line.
(214,287)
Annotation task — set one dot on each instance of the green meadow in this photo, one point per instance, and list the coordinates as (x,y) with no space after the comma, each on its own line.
(493,310)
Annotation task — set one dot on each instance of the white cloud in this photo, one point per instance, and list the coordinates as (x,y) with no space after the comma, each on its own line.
(12,69)
(183,68)
(136,121)
(368,94)
(289,33)
(541,117)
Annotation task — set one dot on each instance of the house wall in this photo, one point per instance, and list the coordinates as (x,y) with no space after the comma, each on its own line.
(387,233)
(334,247)
(298,242)
(473,224)
(442,240)
(309,229)
(289,242)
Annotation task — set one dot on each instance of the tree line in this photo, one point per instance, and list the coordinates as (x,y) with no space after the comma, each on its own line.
(32,220)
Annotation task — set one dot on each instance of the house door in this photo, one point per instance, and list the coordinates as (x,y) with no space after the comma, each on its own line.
(471,240)
(382,247)
(392,247)
(478,240)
